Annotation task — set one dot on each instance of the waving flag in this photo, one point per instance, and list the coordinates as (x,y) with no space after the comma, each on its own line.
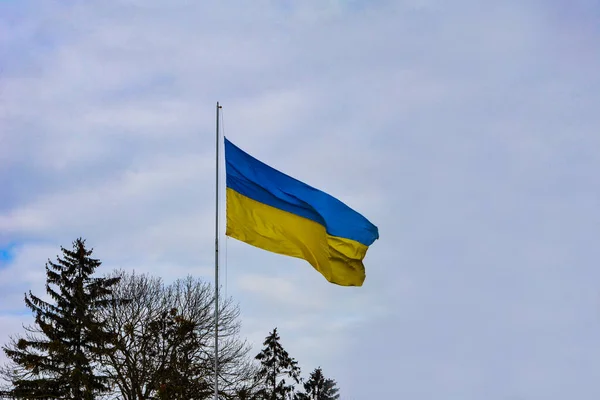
(277,213)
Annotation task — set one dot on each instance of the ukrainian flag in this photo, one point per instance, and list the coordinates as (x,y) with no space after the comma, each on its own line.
(275,212)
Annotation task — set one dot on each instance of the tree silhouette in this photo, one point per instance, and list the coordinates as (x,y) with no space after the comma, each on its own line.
(276,365)
(319,388)
(165,347)
(56,358)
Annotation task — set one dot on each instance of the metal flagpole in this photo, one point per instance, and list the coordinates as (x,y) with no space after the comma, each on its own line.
(217,264)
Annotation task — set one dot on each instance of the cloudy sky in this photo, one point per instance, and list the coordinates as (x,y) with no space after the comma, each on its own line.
(467,131)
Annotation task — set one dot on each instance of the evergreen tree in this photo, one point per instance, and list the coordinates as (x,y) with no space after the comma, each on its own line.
(276,365)
(56,358)
(180,377)
(319,388)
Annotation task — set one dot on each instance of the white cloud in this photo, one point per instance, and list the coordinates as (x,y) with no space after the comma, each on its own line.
(465,132)
(277,290)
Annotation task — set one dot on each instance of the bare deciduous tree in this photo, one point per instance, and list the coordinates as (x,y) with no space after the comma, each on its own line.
(165,341)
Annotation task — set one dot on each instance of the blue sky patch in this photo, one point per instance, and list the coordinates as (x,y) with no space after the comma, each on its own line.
(6,255)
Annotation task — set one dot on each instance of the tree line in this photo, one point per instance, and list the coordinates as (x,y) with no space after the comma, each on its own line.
(133,337)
